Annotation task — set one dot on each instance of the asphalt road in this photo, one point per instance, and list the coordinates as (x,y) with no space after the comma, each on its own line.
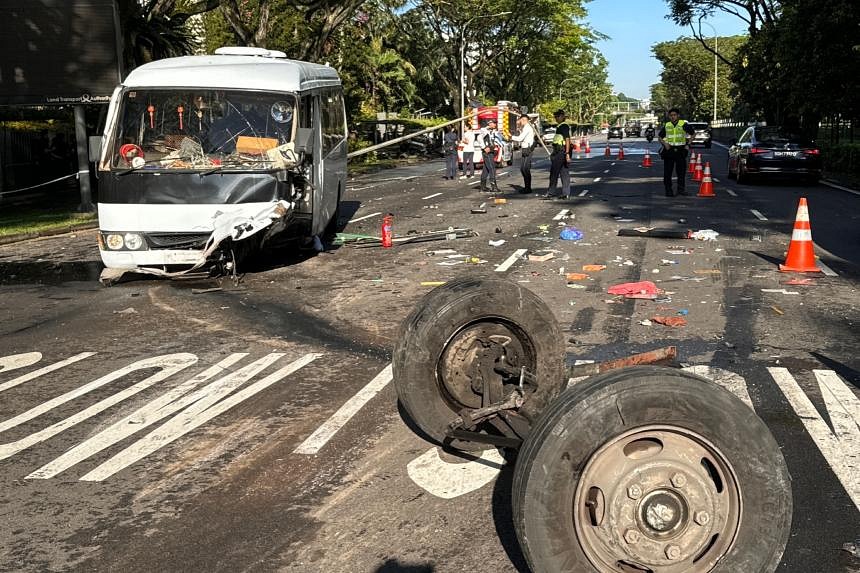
(255,428)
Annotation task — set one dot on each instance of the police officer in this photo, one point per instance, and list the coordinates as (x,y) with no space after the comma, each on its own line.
(489,138)
(559,158)
(675,135)
(526,139)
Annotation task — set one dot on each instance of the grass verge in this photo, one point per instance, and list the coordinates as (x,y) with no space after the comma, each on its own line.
(35,221)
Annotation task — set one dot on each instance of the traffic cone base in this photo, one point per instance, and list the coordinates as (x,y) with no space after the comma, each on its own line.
(801,252)
(707,187)
(647,161)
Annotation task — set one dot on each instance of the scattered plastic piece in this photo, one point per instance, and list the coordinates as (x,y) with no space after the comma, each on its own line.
(129,310)
(645,322)
(478,211)
(637,288)
(779,290)
(205,290)
(593,268)
(574,285)
(571,234)
(576,276)
(498,243)
(705,235)
(777,310)
(683,312)
(667,262)
(500,200)
(541,258)
(799,282)
(432,283)
(669,320)
(441,252)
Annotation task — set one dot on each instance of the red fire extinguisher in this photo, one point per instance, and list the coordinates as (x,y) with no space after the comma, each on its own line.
(387,234)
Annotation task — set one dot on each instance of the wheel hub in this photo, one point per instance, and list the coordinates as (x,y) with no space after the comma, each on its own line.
(663,512)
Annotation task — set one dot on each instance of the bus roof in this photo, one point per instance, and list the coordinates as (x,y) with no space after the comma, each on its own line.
(233,72)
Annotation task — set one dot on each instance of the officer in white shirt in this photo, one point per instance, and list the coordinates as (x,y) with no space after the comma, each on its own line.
(526,139)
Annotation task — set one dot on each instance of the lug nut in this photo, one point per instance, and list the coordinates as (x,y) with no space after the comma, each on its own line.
(673,552)
(702,517)
(634,492)
(679,480)
(632,536)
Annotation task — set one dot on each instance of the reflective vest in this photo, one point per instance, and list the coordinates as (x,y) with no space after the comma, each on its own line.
(557,139)
(675,134)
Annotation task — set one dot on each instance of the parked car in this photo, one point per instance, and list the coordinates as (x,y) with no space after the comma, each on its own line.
(615,131)
(701,133)
(770,150)
(633,129)
(548,134)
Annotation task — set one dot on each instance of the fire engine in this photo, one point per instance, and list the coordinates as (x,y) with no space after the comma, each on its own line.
(505,114)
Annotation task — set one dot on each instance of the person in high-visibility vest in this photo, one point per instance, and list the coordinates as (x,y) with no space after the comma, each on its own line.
(559,158)
(675,135)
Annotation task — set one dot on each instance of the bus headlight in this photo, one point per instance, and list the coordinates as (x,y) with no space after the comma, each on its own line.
(133,241)
(114,242)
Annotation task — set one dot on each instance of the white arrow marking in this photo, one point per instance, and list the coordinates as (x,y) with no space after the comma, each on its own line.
(842,450)
(16,361)
(447,480)
(170,364)
(154,411)
(192,417)
(36,373)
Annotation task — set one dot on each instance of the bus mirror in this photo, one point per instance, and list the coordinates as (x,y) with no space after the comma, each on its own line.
(95,147)
(303,139)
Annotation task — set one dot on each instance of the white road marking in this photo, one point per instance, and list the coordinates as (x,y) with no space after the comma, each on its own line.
(561,215)
(606,171)
(732,382)
(584,193)
(36,373)
(825,269)
(732,193)
(715,180)
(840,187)
(156,410)
(449,480)
(324,433)
(596,179)
(758,215)
(16,361)
(192,417)
(475,182)
(842,449)
(613,163)
(511,260)
(431,196)
(170,364)
(442,169)
(365,217)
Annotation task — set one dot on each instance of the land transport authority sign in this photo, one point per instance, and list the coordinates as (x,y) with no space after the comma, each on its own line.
(59,52)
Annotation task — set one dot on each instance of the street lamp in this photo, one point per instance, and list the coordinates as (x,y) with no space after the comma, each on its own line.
(463,63)
(715,65)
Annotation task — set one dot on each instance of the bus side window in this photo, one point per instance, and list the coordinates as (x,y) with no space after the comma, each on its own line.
(333,120)
(306,113)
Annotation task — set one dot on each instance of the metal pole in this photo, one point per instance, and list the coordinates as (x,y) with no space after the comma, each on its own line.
(86,205)
(462,78)
(714,30)
(406,137)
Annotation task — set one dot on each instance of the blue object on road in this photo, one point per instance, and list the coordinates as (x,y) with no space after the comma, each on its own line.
(683,312)
(571,234)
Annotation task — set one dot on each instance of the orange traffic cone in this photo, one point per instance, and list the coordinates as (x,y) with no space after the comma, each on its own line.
(706,189)
(647,161)
(697,174)
(607,153)
(620,151)
(576,147)
(801,253)
(691,168)
(587,146)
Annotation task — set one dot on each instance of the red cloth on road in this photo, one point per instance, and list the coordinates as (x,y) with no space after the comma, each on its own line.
(642,287)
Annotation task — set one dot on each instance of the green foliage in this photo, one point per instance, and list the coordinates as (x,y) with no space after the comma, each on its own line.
(842,158)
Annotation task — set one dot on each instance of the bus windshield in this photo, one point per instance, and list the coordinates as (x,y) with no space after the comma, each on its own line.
(198,129)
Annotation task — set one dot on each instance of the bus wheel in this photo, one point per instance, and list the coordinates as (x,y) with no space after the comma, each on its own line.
(465,346)
(651,469)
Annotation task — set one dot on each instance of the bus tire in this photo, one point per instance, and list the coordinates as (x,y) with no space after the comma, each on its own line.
(445,346)
(649,467)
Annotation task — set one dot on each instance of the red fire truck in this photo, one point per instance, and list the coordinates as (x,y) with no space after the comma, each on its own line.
(505,114)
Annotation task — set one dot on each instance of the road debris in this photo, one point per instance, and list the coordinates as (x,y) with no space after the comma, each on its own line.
(708,272)
(205,290)
(705,235)
(641,289)
(576,276)
(497,243)
(670,320)
(593,268)
(571,234)
(654,233)
(779,291)
(799,282)
(129,310)
(542,257)
(777,310)
(432,283)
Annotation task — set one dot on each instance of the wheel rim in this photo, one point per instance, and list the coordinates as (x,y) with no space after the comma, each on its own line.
(479,360)
(661,499)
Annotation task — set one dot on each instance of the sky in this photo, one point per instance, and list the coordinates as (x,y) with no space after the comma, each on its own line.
(633,26)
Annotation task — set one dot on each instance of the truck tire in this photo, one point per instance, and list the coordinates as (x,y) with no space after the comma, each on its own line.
(651,469)
(445,349)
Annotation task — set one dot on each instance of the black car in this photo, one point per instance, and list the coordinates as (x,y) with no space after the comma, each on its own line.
(769,150)
(633,130)
(615,131)
(701,133)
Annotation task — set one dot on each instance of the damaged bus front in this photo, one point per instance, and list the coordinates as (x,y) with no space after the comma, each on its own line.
(207,158)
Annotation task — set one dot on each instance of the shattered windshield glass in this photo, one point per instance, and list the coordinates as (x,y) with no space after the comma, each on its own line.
(204,130)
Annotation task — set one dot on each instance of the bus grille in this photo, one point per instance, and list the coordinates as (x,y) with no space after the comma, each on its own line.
(177,240)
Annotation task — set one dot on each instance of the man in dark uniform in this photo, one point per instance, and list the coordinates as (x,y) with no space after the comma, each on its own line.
(558,166)
(489,139)
(675,135)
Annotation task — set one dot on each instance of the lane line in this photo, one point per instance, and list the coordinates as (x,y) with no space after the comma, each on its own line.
(840,187)
(475,182)
(431,196)
(841,452)
(729,380)
(596,179)
(606,171)
(511,260)
(188,420)
(36,373)
(315,442)
(561,215)
(152,412)
(365,217)
(732,193)
(842,405)
(758,215)
(584,193)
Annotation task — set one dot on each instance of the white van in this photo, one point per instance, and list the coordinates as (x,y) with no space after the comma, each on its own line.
(206,158)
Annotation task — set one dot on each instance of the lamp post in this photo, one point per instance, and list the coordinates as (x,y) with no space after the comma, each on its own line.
(463,63)
(715,66)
